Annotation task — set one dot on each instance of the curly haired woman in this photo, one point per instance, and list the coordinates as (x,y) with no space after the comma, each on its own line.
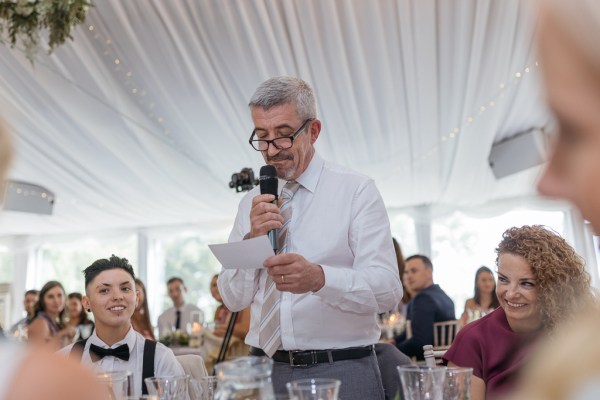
(541,281)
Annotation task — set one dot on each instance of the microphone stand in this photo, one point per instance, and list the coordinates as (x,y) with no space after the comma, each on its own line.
(226,339)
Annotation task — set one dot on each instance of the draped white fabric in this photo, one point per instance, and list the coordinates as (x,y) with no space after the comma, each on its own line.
(142,119)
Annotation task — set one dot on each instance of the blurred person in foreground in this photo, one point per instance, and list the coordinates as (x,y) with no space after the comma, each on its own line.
(485,299)
(140,320)
(568,365)
(50,321)
(33,372)
(541,282)
(314,306)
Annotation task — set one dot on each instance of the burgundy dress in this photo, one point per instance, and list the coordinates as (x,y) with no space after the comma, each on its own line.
(493,350)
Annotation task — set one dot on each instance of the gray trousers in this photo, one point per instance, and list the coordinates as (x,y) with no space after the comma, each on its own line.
(361,379)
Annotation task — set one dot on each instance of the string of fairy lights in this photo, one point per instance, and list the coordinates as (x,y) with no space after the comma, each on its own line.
(515,79)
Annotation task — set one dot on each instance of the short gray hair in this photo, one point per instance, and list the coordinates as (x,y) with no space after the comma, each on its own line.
(285,90)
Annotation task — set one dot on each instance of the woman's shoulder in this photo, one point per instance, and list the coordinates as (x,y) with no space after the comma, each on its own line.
(470,304)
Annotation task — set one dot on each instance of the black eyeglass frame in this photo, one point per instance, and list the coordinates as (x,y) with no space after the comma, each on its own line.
(273,141)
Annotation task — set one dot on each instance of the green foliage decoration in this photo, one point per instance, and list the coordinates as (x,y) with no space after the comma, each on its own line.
(23,20)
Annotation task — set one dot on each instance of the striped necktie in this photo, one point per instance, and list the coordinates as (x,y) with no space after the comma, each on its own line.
(269,337)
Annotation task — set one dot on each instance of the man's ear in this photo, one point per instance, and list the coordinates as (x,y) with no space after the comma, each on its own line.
(137,297)
(86,303)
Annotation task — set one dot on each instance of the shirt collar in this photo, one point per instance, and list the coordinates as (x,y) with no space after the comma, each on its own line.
(129,339)
(310,176)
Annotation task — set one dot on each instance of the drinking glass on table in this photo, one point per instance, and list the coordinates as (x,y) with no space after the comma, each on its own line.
(457,384)
(422,383)
(314,389)
(168,387)
(208,385)
(119,383)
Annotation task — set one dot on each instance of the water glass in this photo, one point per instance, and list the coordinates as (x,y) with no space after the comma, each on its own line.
(208,384)
(245,378)
(119,383)
(457,384)
(314,389)
(422,383)
(168,387)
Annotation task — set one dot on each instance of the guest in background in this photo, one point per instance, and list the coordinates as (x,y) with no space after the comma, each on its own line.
(49,324)
(222,314)
(78,317)
(430,304)
(541,282)
(567,366)
(180,315)
(140,320)
(485,299)
(29,300)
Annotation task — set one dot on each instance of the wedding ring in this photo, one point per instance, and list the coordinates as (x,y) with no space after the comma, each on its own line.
(282,281)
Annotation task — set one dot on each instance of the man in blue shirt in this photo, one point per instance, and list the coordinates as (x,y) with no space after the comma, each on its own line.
(430,304)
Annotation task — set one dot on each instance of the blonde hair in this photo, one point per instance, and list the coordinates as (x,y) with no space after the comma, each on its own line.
(5,155)
(580,19)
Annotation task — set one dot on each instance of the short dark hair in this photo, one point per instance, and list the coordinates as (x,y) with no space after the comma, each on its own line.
(426,261)
(32,291)
(175,279)
(104,264)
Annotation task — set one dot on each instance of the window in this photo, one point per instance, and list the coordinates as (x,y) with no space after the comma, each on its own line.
(65,262)
(188,257)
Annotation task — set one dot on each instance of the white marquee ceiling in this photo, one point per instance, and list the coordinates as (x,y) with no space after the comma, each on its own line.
(142,119)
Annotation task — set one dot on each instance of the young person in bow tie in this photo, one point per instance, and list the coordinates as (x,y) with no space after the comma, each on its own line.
(114,346)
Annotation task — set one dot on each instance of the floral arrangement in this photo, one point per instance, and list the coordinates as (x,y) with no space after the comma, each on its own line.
(22,21)
(175,338)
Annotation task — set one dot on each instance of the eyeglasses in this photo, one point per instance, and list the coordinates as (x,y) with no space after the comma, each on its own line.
(280,143)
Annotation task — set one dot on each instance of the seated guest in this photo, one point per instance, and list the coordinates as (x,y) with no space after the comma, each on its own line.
(49,323)
(115,345)
(541,281)
(485,300)
(178,316)
(140,320)
(222,314)
(78,317)
(29,300)
(430,304)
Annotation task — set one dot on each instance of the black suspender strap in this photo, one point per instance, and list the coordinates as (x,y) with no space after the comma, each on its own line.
(77,350)
(148,362)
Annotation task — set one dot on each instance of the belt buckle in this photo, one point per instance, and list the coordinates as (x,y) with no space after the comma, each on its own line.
(313,355)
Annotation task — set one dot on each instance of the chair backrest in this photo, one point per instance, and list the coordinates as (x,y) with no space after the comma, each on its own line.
(193,365)
(444,333)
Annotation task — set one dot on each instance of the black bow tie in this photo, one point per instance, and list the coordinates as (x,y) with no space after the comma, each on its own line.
(98,353)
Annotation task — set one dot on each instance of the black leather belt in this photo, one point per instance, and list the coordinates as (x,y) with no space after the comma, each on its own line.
(303,358)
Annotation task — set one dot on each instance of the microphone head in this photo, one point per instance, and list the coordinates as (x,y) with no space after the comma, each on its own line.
(268,180)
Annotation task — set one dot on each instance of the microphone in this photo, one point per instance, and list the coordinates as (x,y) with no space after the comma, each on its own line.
(268,185)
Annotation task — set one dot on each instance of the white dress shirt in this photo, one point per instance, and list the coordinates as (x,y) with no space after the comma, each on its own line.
(165,363)
(166,320)
(339,221)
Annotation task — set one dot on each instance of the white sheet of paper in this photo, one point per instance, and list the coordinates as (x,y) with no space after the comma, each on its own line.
(247,254)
